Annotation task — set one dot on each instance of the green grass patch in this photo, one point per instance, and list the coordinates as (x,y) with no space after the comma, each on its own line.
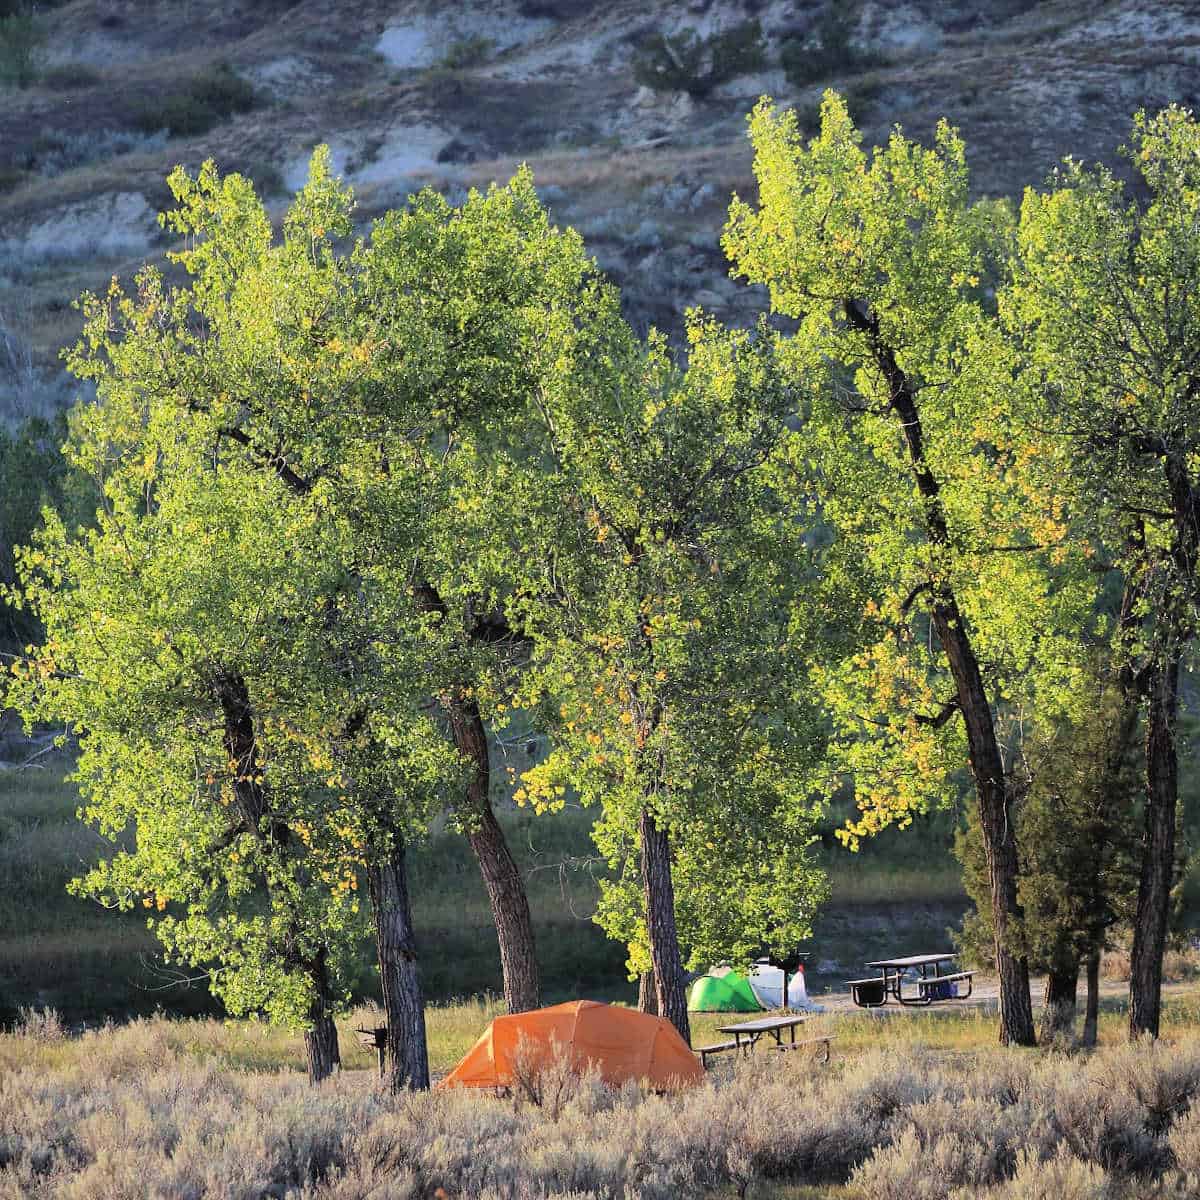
(899,892)
(452,1029)
(55,950)
(91,963)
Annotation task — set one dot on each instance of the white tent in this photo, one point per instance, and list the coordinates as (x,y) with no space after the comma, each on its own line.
(766,982)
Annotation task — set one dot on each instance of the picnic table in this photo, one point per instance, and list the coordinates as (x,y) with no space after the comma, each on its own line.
(871,993)
(753,1030)
(746,1035)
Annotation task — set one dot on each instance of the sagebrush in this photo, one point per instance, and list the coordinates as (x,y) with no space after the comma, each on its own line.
(120,1112)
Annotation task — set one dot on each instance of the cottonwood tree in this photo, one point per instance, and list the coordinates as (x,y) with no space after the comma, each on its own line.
(474,317)
(437,326)
(663,593)
(880,259)
(166,369)
(353,379)
(166,626)
(211,358)
(1077,846)
(1105,302)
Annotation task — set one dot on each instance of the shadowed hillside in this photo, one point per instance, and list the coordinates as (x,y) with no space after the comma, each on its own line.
(631,114)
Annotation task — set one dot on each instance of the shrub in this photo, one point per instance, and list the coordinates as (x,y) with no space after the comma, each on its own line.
(467,52)
(828,53)
(223,90)
(120,1113)
(58,151)
(21,37)
(1162,1081)
(71,75)
(1096,1122)
(911,1167)
(265,175)
(689,63)
(1184,1141)
(550,1081)
(1063,1177)
(40,1024)
(205,100)
(809,115)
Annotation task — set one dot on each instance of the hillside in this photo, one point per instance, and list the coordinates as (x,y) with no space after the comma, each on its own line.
(415,92)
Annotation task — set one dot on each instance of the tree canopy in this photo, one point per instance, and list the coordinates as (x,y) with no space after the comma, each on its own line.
(1104,306)
(668,610)
(361,501)
(882,260)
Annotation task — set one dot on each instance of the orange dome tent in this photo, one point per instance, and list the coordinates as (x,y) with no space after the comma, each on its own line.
(624,1044)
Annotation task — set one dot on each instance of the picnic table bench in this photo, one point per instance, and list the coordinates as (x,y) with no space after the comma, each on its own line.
(376,1038)
(874,992)
(746,1035)
(938,987)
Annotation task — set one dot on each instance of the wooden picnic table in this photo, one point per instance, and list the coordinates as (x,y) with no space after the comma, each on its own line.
(894,969)
(753,1030)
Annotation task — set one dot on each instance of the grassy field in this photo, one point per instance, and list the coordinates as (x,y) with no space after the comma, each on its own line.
(915,1105)
(91,963)
(454,1028)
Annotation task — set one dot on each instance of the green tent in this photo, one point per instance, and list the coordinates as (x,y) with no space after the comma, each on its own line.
(726,991)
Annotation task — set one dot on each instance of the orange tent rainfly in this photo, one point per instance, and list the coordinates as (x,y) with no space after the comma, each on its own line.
(623,1044)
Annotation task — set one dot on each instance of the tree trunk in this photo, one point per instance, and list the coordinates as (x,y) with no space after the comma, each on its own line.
(1000,842)
(1058,1014)
(321,1036)
(510,910)
(987,765)
(505,887)
(501,876)
(659,893)
(1091,1017)
(647,994)
(257,818)
(1158,851)
(321,1049)
(407,1056)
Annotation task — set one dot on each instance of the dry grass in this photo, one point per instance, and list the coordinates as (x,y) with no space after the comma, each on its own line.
(158,1108)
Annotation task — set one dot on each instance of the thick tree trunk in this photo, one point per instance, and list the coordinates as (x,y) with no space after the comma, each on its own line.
(1058,1013)
(407,1055)
(647,994)
(659,891)
(987,765)
(1158,851)
(510,909)
(501,876)
(321,1048)
(1091,1016)
(321,1037)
